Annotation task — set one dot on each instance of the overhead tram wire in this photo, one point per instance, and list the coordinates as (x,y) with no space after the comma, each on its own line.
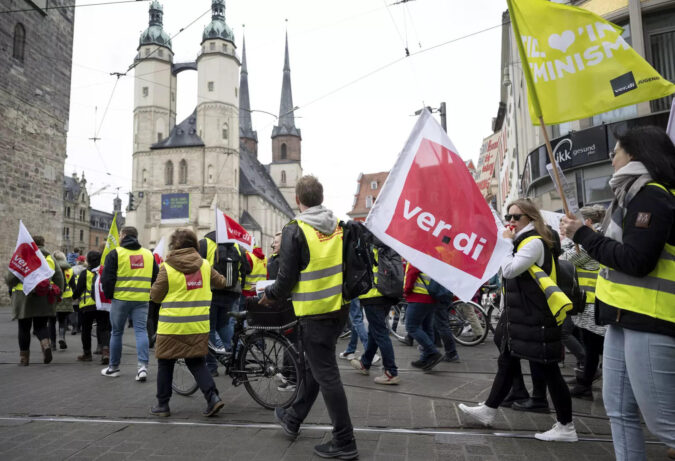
(65,7)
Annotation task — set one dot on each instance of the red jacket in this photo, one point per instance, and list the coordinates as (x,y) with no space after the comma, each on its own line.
(409,284)
(259,253)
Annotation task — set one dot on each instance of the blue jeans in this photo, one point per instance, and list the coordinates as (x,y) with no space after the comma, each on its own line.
(358,328)
(378,336)
(221,325)
(639,377)
(418,321)
(120,311)
(442,324)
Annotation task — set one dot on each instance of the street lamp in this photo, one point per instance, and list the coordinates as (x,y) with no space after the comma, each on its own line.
(440,110)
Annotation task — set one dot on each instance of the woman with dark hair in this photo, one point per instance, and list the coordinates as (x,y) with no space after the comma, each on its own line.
(635,292)
(183,287)
(528,328)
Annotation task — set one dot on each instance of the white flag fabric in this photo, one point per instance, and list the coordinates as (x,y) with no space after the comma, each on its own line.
(28,263)
(102,303)
(160,251)
(230,231)
(432,213)
(671,123)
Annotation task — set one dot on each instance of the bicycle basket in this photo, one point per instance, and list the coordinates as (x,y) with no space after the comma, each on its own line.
(278,315)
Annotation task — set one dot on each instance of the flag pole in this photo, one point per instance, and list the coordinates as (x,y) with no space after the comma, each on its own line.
(554,164)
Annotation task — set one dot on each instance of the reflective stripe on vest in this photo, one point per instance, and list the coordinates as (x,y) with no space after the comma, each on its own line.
(50,263)
(134,274)
(373,292)
(67,292)
(421,283)
(87,299)
(587,281)
(652,295)
(557,300)
(185,309)
(319,288)
(258,272)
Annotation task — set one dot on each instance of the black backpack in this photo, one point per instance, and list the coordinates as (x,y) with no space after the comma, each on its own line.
(568,282)
(389,271)
(357,267)
(228,261)
(441,294)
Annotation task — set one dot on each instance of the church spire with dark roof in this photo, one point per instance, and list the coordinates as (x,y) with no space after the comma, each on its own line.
(247,136)
(286,118)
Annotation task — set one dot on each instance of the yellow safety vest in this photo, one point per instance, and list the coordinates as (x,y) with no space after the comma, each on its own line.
(587,281)
(421,283)
(211,248)
(185,309)
(652,295)
(319,288)
(50,263)
(87,299)
(67,291)
(134,274)
(557,300)
(258,272)
(374,292)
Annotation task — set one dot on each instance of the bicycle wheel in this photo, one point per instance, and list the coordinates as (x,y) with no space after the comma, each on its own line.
(272,369)
(395,321)
(460,326)
(183,382)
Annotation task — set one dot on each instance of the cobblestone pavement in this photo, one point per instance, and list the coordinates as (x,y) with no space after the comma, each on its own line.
(67,410)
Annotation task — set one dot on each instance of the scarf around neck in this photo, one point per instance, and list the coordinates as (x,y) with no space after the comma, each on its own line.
(625,184)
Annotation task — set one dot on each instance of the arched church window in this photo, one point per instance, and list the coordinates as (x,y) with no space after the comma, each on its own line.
(182,172)
(168,173)
(283,176)
(19,42)
(226,131)
(284,151)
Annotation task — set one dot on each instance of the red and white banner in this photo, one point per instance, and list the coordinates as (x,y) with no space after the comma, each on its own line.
(228,230)
(670,129)
(28,263)
(432,213)
(102,303)
(160,251)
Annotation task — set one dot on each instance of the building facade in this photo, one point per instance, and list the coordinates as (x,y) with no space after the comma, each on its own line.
(183,172)
(36,48)
(368,187)
(76,214)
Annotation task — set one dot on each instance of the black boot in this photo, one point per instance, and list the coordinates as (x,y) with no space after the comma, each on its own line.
(161,409)
(581,391)
(533,405)
(213,405)
(512,398)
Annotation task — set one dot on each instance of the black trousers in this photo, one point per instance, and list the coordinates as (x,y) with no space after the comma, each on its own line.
(62,318)
(508,366)
(40,330)
(102,328)
(318,340)
(196,365)
(593,344)
(153,320)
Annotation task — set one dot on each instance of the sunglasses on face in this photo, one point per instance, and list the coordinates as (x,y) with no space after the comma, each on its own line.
(515,217)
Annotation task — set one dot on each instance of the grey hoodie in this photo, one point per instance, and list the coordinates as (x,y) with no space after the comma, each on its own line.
(320,218)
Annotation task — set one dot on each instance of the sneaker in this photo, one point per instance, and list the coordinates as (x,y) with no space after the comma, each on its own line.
(452,358)
(290,430)
(559,433)
(386,378)
(481,413)
(286,387)
(331,450)
(62,344)
(213,406)
(358,366)
(142,374)
(110,371)
(347,355)
(532,405)
(418,363)
(376,359)
(432,361)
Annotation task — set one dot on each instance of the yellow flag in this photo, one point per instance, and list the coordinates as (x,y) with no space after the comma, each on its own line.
(113,240)
(577,64)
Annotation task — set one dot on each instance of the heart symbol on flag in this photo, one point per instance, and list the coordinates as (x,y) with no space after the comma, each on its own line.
(561,42)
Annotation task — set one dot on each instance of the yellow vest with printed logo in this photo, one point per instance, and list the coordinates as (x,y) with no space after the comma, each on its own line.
(185,309)
(258,272)
(587,281)
(134,274)
(50,263)
(652,295)
(421,282)
(319,287)
(87,299)
(67,292)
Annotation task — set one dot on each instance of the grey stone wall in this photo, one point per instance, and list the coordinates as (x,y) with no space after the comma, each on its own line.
(34,108)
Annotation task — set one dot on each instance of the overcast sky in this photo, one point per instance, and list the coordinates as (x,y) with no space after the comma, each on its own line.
(347,127)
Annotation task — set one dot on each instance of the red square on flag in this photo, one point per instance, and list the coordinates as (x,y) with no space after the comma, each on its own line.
(136,261)
(440,214)
(194,281)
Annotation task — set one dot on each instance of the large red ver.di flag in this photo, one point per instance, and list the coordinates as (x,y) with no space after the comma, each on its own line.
(431,212)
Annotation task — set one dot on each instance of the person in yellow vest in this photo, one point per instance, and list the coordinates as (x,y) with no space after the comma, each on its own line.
(183,288)
(310,272)
(635,290)
(34,309)
(592,335)
(258,264)
(64,307)
(528,328)
(128,272)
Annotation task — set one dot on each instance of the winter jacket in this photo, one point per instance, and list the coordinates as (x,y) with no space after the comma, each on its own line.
(25,307)
(109,276)
(637,255)
(187,261)
(273,266)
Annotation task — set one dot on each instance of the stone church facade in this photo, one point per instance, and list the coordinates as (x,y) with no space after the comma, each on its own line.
(183,171)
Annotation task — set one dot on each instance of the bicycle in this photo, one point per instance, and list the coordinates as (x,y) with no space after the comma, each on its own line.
(489,300)
(396,319)
(262,359)
(461,325)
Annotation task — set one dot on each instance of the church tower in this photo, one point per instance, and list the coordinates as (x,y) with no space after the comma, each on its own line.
(248,138)
(218,107)
(285,168)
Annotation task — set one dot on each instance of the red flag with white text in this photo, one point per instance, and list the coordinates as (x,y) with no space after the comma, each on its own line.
(228,230)
(432,213)
(28,263)
(159,252)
